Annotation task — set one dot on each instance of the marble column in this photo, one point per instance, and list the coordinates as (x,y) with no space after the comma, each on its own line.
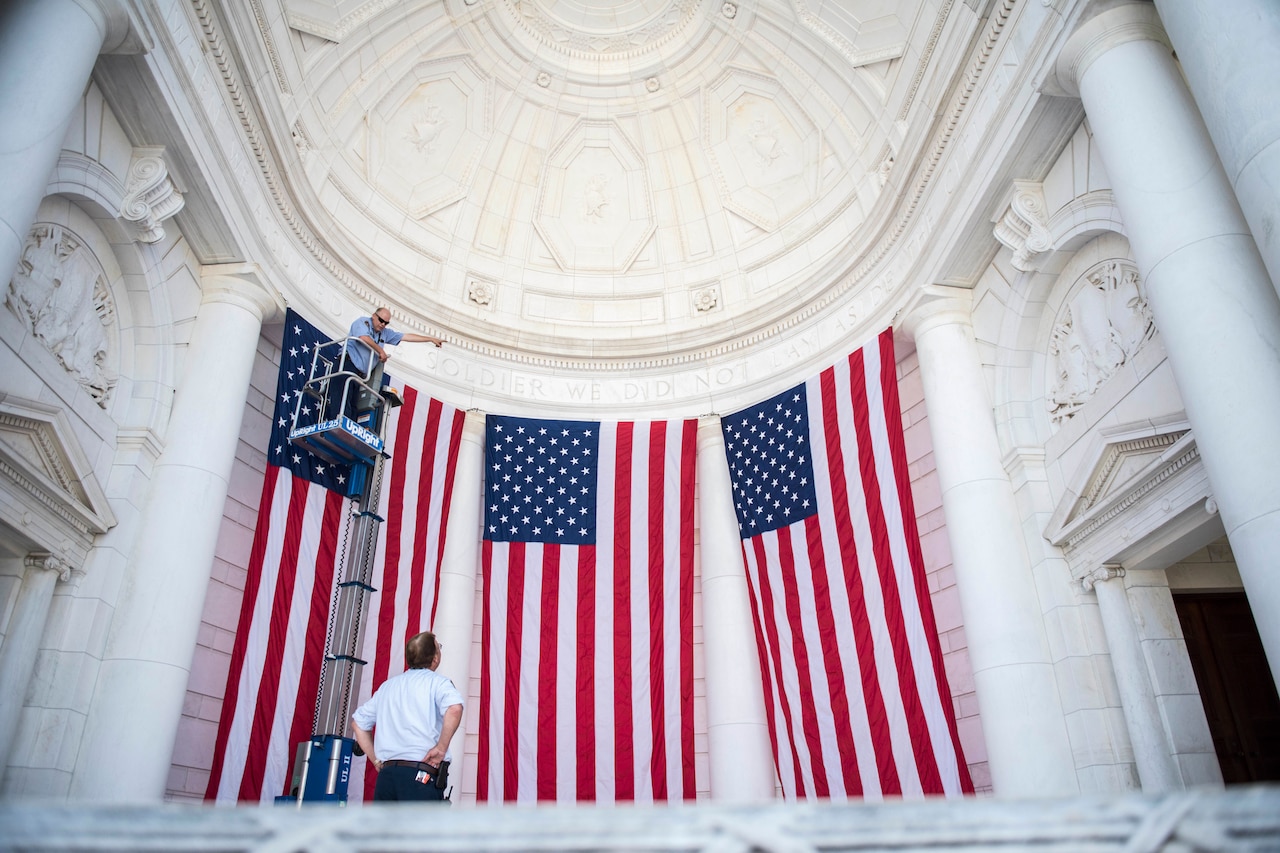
(738,746)
(1228,52)
(1156,768)
(1208,289)
(22,641)
(455,624)
(133,718)
(1022,717)
(47,50)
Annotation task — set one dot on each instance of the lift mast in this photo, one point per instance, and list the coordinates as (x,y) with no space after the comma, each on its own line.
(348,428)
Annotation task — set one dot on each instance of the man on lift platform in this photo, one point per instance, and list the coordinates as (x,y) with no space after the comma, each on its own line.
(374,334)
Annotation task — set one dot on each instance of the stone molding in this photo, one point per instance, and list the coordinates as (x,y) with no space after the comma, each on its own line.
(1100,34)
(331,27)
(47,489)
(150,194)
(1136,484)
(558,37)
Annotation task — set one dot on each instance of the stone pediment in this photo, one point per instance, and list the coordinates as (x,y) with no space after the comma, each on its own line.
(1136,481)
(49,490)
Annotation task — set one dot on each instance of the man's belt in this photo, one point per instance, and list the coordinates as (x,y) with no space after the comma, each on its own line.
(416,765)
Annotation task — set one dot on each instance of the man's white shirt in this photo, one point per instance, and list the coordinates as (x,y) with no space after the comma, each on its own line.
(406,712)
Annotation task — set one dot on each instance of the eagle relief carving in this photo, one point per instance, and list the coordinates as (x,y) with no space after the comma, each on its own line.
(1101,327)
(764,141)
(595,198)
(60,291)
(425,129)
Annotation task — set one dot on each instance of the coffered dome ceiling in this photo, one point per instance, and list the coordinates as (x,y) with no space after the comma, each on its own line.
(576,182)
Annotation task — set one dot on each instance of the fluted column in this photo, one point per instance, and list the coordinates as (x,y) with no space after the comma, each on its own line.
(455,625)
(1022,717)
(741,763)
(1156,767)
(133,718)
(1227,50)
(1209,291)
(22,641)
(47,50)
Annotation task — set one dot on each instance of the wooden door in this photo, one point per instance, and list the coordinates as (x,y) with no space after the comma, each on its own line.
(1235,683)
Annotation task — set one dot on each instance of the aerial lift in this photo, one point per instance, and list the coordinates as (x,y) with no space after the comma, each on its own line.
(343,421)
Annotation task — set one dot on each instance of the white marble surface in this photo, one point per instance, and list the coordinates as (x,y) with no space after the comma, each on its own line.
(1239,819)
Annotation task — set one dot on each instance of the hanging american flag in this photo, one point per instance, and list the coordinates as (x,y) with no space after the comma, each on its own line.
(587,617)
(855,694)
(278,653)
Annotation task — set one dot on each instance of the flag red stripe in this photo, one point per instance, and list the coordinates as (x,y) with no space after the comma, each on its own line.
(898,458)
(808,709)
(586,676)
(688,485)
(623,721)
(255,761)
(766,676)
(771,628)
(511,701)
(304,714)
(389,585)
(833,665)
(657,600)
(450,474)
(549,635)
(422,525)
(253,579)
(486,665)
(922,747)
(864,641)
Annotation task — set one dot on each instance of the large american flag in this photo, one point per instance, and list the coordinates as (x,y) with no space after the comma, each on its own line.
(278,652)
(855,693)
(587,617)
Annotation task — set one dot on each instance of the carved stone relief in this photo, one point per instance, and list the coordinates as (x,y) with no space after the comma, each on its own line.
(706,298)
(60,291)
(425,136)
(1102,325)
(764,149)
(480,292)
(595,209)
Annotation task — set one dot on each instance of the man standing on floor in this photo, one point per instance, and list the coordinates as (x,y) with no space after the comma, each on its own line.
(405,728)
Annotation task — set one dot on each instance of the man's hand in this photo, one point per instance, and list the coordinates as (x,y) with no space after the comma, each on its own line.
(383,355)
(435,755)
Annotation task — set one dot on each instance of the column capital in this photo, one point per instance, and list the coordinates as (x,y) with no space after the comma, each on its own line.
(121,34)
(1101,33)
(50,562)
(709,429)
(936,305)
(473,424)
(242,285)
(1105,572)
